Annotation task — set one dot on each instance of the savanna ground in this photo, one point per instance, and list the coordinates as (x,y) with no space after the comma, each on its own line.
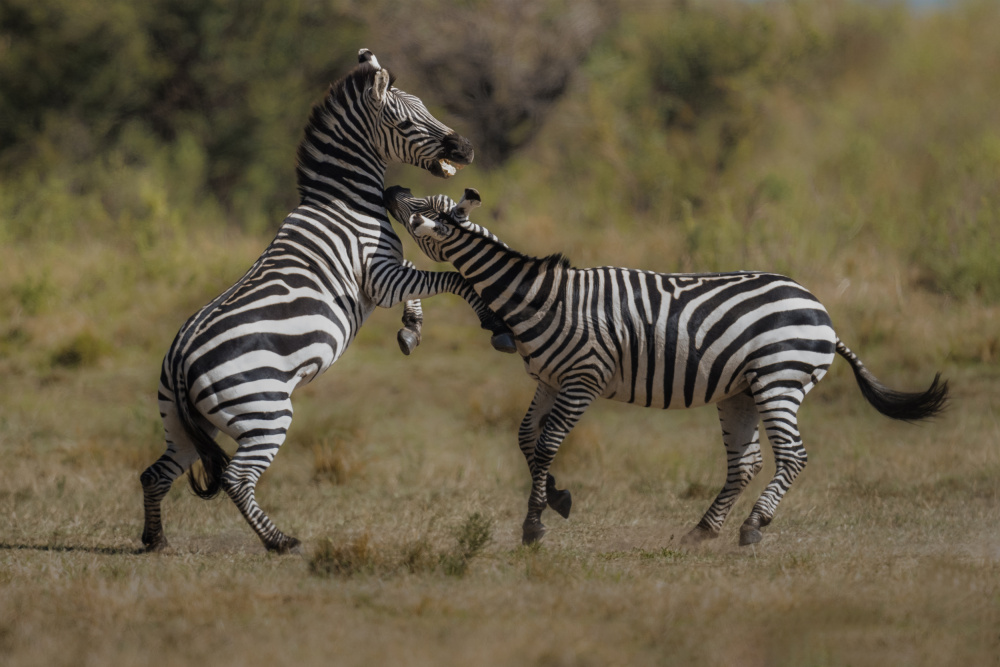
(852,147)
(885,551)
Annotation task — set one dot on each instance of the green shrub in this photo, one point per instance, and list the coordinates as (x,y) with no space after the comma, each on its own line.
(472,537)
(84,349)
(360,556)
(99,96)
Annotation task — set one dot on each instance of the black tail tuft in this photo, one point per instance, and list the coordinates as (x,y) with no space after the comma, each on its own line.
(905,406)
(214,459)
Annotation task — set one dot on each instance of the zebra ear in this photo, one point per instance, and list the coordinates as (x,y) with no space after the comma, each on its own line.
(366,56)
(421,227)
(470,200)
(380,86)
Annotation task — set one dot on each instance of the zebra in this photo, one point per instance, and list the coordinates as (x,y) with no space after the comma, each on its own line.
(752,343)
(234,364)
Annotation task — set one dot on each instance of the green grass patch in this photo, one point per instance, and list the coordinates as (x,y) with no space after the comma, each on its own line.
(360,556)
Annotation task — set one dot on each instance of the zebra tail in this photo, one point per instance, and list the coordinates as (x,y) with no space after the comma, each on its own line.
(905,406)
(214,459)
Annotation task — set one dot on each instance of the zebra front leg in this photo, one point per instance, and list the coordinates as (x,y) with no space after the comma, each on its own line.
(413,318)
(738,417)
(567,407)
(389,281)
(527,435)
(502,339)
(559,500)
(779,416)
(253,456)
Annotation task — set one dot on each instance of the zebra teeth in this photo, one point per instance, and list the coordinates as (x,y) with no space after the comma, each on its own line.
(448,167)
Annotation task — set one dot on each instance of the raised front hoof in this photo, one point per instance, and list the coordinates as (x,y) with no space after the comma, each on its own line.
(698,535)
(532,533)
(407,340)
(561,502)
(750,535)
(286,545)
(503,342)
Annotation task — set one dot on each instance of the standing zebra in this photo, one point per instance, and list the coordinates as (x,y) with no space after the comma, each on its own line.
(752,343)
(234,364)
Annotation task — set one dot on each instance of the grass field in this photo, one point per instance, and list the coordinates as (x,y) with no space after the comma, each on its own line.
(886,551)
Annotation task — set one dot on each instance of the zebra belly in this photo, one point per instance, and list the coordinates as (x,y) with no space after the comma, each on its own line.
(648,390)
(252,369)
(677,373)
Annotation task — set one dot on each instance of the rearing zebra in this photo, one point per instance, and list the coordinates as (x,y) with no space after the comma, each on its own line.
(752,343)
(234,364)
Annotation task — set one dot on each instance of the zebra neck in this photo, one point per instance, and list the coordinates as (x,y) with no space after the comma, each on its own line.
(338,164)
(513,285)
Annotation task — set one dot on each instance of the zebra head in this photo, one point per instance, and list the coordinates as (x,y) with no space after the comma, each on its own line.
(363,125)
(404,130)
(436,221)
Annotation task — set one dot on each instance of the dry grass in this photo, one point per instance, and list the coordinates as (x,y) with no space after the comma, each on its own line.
(885,551)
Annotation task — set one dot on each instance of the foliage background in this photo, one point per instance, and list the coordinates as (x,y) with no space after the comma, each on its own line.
(147,157)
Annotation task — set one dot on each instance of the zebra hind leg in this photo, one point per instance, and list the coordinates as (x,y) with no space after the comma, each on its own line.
(240,481)
(738,417)
(779,416)
(157,479)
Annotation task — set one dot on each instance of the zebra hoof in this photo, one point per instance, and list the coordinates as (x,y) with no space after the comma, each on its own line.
(407,340)
(532,533)
(561,502)
(750,535)
(503,342)
(698,535)
(288,545)
(156,546)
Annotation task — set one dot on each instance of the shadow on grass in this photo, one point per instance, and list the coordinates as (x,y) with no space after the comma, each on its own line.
(106,551)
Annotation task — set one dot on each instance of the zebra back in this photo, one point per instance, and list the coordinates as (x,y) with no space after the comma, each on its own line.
(663,340)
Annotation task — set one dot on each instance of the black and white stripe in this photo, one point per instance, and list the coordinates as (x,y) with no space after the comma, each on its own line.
(752,343)
(234,364)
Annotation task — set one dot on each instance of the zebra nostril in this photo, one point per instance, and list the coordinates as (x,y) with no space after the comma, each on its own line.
(458,149)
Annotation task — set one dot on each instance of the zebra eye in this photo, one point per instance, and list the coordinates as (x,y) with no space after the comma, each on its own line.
(404,124)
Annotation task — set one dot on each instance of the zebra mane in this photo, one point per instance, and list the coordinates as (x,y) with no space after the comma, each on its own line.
(355,79)
(550,262)
(338,94)
(557,260)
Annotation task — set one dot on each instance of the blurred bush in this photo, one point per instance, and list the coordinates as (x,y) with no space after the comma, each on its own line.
(794,136)
(499,65)
(125,108)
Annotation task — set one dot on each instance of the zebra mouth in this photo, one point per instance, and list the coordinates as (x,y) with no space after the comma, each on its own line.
(449,168)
